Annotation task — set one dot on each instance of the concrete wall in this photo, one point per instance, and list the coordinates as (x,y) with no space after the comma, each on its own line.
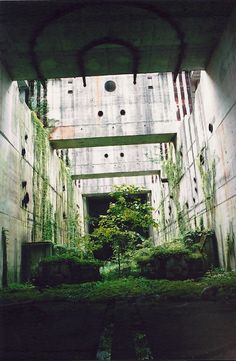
(116,161)
(211,131)
(150,100)
(17,165)
(153,110)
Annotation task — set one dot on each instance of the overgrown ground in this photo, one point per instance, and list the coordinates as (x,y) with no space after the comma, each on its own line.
(103,291)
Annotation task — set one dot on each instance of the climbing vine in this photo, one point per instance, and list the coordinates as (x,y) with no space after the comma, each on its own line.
(208,174)
(48,223)
(162,214)
(71,216)
(40,180)
(173,169)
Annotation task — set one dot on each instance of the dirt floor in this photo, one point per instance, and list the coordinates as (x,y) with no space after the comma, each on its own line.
(129,329)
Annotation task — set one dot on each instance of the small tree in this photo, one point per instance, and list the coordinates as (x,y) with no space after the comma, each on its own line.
(126,223)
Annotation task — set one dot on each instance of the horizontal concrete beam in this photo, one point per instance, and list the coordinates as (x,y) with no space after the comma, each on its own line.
(64,137)
(115,174)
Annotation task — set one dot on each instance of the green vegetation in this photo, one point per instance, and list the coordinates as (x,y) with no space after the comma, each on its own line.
(125,225)
(208,174)
(173,169)
(48,223)
(67,269)
(127,287)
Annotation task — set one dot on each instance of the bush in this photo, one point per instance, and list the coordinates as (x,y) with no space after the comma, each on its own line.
(61,269)
(173,261)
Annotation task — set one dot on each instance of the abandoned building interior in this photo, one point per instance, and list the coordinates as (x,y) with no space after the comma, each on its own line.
(99,94)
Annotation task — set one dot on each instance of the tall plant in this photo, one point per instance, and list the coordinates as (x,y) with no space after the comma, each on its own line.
(126,223)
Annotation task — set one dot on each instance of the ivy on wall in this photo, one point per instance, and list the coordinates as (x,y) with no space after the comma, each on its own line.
(208,175)
(173,169)
(60,225)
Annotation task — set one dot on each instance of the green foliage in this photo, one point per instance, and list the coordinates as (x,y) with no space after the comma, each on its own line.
(230,251)
(163,251)
(173,169)
(128,287)
(40,108)
(67,258)
(47,222)
(77,251)
(126,223)
(208,175)
(40,181)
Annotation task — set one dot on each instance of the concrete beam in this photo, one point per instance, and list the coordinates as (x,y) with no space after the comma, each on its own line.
(91,136)
(115,174)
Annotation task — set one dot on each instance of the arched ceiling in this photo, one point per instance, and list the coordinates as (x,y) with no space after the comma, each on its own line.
(50,39)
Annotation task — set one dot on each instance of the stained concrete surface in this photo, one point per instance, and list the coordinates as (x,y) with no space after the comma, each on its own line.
(56,331)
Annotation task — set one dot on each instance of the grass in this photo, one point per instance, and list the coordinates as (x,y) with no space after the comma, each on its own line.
(104,291)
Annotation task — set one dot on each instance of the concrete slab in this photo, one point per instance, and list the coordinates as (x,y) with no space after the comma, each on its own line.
(49,39)
(91,136)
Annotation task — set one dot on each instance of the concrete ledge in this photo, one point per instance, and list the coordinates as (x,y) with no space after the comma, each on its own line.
(114,174)
(65,137)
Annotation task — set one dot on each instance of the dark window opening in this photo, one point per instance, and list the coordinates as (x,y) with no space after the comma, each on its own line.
(100,113)
(70,91)
(106,155)
(122,112)
(122,154)
(150,87)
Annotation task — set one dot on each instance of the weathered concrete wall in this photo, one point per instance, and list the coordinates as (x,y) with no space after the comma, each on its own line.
(210,134)
(93,116)
(103,162)
(18,163)
(99,122)
(150,100)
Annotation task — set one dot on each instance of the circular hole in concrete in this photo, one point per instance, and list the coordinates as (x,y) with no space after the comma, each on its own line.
(110,86)
(106,155)
(100,113)
(122,154)
(122,112)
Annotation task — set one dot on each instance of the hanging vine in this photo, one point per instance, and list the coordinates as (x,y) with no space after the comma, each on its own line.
(40,180)
(60,225)
(208,175)
(173,170)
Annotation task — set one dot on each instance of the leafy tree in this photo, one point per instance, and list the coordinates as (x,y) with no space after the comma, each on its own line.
(126,223)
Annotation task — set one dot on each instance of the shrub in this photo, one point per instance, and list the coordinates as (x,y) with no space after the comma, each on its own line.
(60,269)
(172,260)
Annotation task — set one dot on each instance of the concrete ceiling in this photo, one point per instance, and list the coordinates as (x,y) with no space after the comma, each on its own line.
(49,39)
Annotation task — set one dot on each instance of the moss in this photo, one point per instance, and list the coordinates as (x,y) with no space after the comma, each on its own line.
(128,287)
(162,252)
(65,258)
